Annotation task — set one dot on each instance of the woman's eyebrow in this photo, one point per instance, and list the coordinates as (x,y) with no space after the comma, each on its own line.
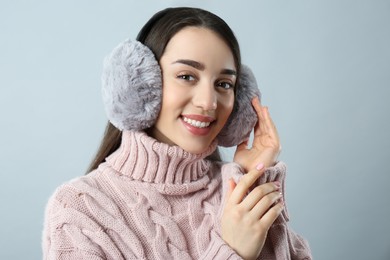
(229,72)
(201,66)
(192,63)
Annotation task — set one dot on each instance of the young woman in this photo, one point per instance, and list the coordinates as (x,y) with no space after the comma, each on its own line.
(157,188)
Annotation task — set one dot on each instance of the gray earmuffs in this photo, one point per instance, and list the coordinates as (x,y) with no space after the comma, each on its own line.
(132,93)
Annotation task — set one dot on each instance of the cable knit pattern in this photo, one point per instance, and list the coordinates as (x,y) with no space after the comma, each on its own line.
(150,200)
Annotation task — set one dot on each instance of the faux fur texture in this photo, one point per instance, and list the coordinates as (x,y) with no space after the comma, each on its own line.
(132,93)
(132,86)
(243,118)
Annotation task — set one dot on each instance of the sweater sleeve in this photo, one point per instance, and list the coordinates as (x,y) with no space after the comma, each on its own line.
(218,249)
(281,243)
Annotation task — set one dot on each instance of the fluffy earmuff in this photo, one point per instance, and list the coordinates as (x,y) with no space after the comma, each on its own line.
(132,86)
(132,93)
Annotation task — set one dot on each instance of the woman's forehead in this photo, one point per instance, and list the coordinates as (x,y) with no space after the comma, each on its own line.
(201,45)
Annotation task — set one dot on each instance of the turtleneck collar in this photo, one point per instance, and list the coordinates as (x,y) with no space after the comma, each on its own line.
(143,158)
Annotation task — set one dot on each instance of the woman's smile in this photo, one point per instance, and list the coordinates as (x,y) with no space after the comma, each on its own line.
(198,124)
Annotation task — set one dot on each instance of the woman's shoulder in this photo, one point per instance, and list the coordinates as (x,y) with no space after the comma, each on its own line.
(77,216)
(80,194)
(86,203)
(75,186)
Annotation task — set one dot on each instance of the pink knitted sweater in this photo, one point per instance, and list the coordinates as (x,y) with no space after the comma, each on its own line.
(154,201)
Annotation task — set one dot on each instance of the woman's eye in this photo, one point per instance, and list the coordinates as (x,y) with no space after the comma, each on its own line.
(186,77)
(225,85)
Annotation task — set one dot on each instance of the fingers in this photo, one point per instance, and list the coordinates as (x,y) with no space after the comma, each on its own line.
(232,185)
(269,123)
(258,193)
(265,126)
(266,202)
(257,106)
(263,204)
(271,215)
(245,183)
(262,126)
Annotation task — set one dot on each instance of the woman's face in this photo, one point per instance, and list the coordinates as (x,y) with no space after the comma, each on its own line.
(199,75)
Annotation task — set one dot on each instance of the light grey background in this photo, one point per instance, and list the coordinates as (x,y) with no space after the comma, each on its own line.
(324,71)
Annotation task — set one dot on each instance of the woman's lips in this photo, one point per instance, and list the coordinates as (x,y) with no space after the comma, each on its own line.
(197,124)
(200,118)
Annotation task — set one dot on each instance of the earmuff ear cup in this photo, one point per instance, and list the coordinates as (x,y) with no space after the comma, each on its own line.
(243,117)
(132,86)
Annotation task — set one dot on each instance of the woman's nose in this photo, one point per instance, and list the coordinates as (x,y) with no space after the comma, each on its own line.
(205,96)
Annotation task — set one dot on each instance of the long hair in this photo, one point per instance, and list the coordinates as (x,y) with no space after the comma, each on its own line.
(156,34)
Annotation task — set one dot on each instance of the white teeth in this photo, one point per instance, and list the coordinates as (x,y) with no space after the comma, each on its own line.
(195,123)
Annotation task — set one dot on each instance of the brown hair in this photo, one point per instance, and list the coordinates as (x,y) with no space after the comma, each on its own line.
(156,34)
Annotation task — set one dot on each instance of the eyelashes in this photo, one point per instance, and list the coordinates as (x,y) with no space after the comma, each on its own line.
(225,85)
(186,77)
(193,79)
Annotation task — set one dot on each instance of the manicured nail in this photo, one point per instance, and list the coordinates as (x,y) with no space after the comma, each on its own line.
(277,184)
(260,166)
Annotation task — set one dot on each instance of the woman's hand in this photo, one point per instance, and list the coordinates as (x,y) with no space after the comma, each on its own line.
(247,217)
(266,145)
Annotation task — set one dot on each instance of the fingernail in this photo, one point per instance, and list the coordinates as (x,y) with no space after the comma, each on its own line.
(277,184)
(260,166)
